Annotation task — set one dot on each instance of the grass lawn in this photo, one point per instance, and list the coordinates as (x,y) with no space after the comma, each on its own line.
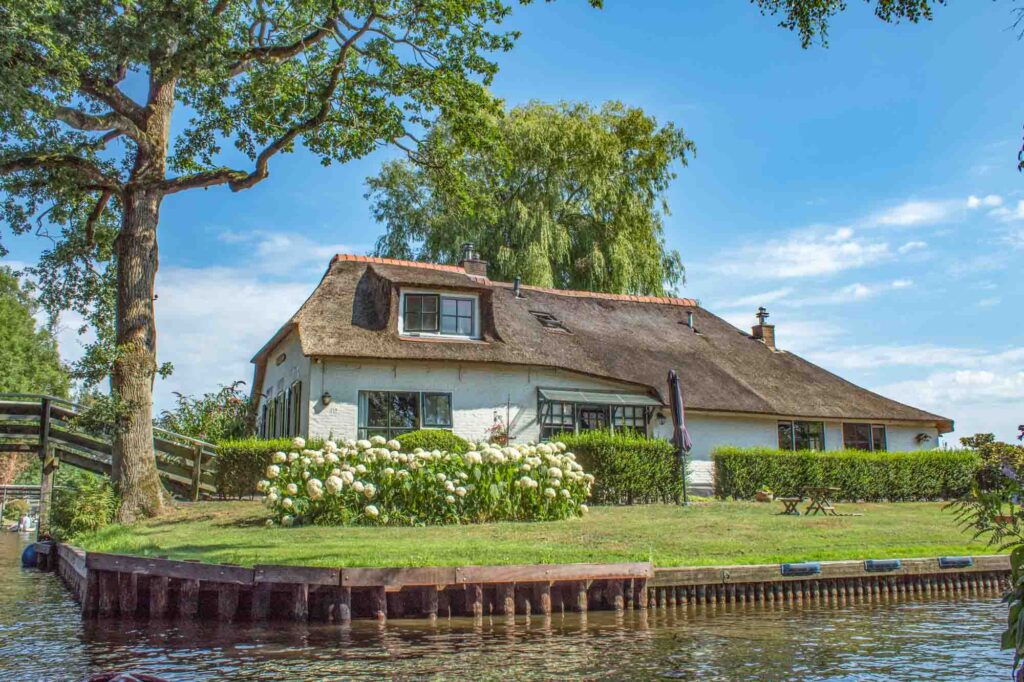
(708,533)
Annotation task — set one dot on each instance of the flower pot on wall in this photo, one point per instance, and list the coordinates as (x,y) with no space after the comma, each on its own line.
(762,496)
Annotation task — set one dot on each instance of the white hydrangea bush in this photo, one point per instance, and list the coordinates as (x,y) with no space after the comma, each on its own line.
(372,482)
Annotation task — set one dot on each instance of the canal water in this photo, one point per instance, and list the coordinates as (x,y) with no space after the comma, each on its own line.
(42,638)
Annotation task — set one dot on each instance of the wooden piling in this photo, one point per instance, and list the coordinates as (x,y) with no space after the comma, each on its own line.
(227,602)
(188,598)
(640,592)
(542,596)
(108,594)
(158,587)
(475,600)
(379,603)
(260,607)
(506,599)
(128,593)
(614,595)
(341,610)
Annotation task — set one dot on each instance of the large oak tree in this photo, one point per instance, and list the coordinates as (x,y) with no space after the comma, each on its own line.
(109,106)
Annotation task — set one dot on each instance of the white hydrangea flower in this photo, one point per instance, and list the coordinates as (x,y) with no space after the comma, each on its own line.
(280,457)
(348,476)
(555,482)
(298,442)
(460,491)
(305,475)
(287,520)
(273,471)
(263,486)
(388,471)
(549,492)
(450,499)
(555,472)
(378,440)
(287,503)
(363,444)
(402,473)
(369,490)
(371,511)
(273,497)
(359,486)
(584,508)
(330,446)
(393,445)
(565,492)
(269,523)
(360,469)
(449,486)
(292,456)
(291,489)
(334,484)
(332,458)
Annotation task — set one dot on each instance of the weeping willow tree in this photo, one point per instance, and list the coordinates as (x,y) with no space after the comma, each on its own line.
(562,195)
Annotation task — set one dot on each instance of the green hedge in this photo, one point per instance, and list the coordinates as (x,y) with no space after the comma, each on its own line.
(242,463)
(627,468)
(859,475)
(433,439)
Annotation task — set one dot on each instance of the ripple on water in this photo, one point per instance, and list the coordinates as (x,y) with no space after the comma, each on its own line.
(42,638)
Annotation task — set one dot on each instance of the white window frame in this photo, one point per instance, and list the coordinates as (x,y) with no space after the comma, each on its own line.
(441,296)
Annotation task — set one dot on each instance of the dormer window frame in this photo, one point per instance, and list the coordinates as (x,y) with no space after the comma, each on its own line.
(442,296)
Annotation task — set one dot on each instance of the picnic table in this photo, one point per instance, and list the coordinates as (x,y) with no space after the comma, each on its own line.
(821,500)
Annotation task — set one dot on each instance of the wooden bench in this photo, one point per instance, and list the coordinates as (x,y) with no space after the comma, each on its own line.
(790,504)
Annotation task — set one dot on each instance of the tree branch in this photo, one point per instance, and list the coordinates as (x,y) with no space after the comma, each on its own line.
(94,216)
(212,178)
(279,53)
(71,162)
(260,172)
(110,121)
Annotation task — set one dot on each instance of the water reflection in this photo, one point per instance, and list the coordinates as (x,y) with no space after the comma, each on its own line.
(42,638)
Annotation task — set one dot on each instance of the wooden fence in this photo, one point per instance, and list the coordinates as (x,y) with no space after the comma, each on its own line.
(50,428)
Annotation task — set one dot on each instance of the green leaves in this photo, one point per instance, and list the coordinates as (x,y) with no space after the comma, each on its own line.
(564,196)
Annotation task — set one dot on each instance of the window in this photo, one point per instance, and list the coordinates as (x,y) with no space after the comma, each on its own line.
(556,418)
(878,437)
(549,321)
(421,313)
(630,417)
(391,413)
(437,410)
(439,314)
(864,436)
(295,398)
(801,435)
(457,316)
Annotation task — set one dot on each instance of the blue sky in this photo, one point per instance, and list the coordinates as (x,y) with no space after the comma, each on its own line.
(865,193)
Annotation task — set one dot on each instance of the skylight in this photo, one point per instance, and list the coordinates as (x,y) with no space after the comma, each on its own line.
(549,321)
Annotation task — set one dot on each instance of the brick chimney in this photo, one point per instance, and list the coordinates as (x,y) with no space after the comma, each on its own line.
(764,332)
(471,261)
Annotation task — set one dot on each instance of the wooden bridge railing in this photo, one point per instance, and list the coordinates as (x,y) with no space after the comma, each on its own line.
(46,426)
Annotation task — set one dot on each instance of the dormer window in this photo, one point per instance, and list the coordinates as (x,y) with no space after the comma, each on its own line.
(439,314)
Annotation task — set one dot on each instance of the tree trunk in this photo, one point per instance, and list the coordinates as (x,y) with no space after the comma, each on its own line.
(134,461)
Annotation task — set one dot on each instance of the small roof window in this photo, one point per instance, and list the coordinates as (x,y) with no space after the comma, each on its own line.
(550,322)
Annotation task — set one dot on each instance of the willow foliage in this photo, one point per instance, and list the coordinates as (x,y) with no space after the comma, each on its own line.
(563,195)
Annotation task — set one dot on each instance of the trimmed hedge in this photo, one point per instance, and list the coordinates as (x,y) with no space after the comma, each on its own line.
(627,468)
(241,463)
(433,439)
(859,475)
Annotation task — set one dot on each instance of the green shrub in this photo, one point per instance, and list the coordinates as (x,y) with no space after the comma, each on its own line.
(82,502)
(13,509)
(240,463)
(859,475)
(433,439)
(627,468)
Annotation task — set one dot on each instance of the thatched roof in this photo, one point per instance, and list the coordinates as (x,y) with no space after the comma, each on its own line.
(354,312)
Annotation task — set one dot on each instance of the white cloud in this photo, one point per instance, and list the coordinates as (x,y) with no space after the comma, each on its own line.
(1015,239)
(1007,214)
(920,355)
(912,246)
(989,302)
(911,213)
(851,293)
(211,321)
(988,201)
(764,298)
(285,251)
(803,254)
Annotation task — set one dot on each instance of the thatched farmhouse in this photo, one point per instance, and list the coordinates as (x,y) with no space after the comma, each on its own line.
(386,346)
